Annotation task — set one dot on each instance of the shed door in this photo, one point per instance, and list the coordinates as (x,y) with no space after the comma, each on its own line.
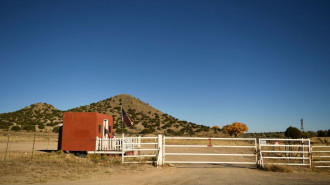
(105,129)
(105,143)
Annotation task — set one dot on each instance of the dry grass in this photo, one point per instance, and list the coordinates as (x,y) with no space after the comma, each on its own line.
(278,168)
(58,167)
(320,141)
(24,136)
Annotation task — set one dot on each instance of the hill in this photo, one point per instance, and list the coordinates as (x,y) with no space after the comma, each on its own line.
(147,119)
(39,116)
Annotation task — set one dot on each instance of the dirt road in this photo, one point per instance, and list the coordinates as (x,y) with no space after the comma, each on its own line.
(206,175)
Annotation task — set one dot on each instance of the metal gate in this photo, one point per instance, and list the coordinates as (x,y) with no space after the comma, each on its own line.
(285,152)
(200,150)
(321,156)
(141,149)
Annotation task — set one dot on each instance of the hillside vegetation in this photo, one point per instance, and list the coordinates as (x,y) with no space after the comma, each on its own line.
(147,119)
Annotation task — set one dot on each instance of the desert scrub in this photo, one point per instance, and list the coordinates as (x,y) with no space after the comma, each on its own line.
(56,166)
(104,159)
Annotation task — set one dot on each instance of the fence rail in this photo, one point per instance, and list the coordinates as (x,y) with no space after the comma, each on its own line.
(210,145)
(324,154)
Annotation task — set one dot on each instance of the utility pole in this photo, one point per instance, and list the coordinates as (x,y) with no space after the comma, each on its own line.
(302,124)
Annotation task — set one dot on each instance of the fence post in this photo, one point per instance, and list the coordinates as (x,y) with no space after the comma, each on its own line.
(7,148)
(303,149)
(34,140)
(96,144)
(310,153)
(256,151)
(160,150)
(139,141)
(163,150)
(122,148)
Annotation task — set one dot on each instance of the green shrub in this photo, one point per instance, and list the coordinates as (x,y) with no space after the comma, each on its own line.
(16,128)
(322,133)
(29,128)
(293,132)
(147,131)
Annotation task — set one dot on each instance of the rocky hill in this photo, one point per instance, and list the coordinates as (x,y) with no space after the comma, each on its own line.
(147,119)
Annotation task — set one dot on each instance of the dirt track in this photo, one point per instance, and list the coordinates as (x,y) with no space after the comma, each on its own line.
(206,174)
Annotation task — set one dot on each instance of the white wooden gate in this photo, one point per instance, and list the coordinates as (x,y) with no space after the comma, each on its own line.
(321,156)
(284,152)
(201,150)
(142,150)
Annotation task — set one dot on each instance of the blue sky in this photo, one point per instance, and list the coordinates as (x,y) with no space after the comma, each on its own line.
(263,63)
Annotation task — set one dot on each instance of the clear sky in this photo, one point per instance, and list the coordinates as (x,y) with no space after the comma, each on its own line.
(263,63)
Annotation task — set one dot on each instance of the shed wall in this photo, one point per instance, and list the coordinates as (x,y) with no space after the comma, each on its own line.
(81,128)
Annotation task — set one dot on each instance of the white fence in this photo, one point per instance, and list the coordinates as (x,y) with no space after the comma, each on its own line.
(113,144)
(132,149)
(220,156)
(201,150)
(284,152)
(321,156)
(145,150)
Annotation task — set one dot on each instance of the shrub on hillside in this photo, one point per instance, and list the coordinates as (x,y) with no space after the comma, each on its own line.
(120,130)
(147,131)
(16,128)
(4,125)
(29,128)
(52,124)
(293,133)
(41,126)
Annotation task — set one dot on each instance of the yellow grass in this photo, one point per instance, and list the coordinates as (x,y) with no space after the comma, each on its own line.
(23,136)
(56,166)
(320,141)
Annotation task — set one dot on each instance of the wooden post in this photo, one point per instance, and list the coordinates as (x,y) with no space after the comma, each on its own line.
(123,146)
(210,143)
(7,148)
(34,140)
(139,141)
(160,151)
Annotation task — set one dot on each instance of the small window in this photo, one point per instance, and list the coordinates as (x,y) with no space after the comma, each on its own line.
(100,129)
(109,129)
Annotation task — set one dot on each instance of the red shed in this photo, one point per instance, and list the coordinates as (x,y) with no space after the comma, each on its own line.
(81,128)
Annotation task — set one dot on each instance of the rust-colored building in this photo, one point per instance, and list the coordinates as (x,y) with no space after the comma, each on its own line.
(81,128)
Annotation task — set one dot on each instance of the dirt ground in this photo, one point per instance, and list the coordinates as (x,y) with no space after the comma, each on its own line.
(185,174)
(206,175)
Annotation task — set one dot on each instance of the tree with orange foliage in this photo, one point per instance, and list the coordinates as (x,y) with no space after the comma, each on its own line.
(235,129)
